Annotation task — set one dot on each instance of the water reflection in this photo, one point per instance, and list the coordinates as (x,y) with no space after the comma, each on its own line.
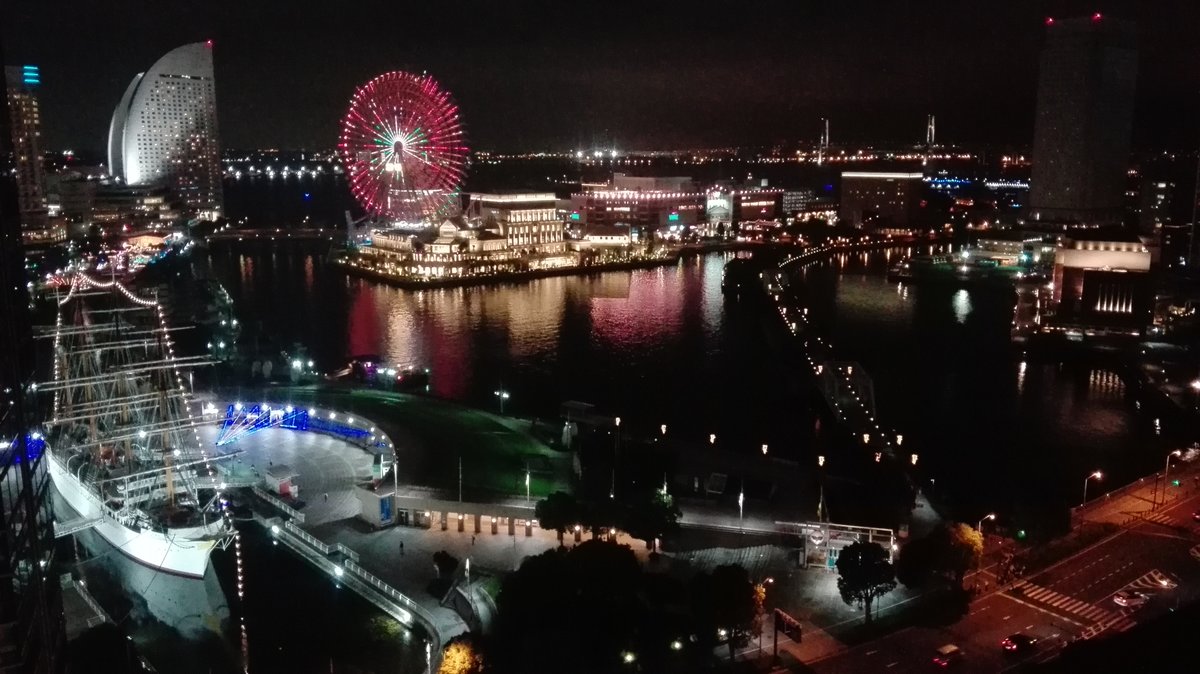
(655,346)
(962,305)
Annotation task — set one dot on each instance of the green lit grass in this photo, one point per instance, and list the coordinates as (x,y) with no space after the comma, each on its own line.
(431,435)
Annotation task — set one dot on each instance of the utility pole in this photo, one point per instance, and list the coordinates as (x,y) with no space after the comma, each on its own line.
(460,479)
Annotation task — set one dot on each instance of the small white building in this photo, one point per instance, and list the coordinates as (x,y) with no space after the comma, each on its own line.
(281,479)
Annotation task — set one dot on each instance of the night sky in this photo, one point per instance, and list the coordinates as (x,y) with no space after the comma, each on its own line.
(565,74)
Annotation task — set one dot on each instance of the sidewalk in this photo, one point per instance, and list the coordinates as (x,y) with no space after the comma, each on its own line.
(1137,500)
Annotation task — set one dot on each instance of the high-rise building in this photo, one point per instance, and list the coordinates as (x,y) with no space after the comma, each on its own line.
(880,199)
(164,130)
(25,120)
(31,621)
(1084,119)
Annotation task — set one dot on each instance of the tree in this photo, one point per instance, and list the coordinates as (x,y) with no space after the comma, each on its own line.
(947,553)
(558,512)
(914,564)
(651,517)
(957,548)
(602,514)
(461,657)
(864,573)
(724,600)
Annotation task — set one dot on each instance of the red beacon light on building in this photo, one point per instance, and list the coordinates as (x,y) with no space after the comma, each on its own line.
(1049,21)
(208,43)
(1097,17)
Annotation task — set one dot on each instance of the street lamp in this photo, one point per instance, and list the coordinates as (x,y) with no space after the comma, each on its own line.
(764,450)
(1167,471)
(526,484)
(663,428)
(741,504)
(612,490)
(1168,467)
(502,395)
(1094,476)
(712,438)
(989,516)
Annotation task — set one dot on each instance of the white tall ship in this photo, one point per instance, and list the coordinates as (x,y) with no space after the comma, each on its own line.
(122,438)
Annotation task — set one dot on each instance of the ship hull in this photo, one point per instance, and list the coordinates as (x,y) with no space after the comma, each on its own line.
(180,551)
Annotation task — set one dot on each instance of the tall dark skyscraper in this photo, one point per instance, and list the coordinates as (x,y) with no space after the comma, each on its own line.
(1084,117)
(31,621)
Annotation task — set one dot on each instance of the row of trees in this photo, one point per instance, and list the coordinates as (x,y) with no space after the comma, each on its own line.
(647,516)
(593,608)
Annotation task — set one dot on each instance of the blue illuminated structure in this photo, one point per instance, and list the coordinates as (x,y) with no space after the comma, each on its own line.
(242,420)
(30,76)
(35,445)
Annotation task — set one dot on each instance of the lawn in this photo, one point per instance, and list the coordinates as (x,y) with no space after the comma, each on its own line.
(432,435)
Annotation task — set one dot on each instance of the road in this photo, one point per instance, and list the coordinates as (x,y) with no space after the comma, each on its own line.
(1073,598)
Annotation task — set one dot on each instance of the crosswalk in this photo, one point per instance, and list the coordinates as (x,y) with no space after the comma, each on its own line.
(1062,602)
(1154,580)
(1158,518)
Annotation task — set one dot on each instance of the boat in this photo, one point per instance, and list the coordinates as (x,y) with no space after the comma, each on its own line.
(122,438)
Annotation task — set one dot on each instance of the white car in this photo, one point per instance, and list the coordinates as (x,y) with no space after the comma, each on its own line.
(1129,599)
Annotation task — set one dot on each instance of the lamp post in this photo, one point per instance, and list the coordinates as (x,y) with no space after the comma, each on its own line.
(989,516)
(527,484)
(764,449)
(502,395)
(1094,476)
(612,490)
(741,511)
(1167,471)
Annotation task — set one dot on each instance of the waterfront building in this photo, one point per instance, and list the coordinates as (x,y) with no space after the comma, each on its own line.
(1102,282)
(602,236)
(644,204)
(728,206)
(164,130)
(880,199)
(131,208)
(528,222)
(1084,119)
(31,623)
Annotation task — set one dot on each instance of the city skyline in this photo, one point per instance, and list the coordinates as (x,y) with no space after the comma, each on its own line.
(539,76)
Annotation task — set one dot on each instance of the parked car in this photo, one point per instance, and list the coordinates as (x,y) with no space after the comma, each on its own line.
(948,655)
(1130,599)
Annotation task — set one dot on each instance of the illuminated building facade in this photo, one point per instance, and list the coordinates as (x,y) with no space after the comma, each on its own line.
(1084,120)
(164,130)
(880,199)
(1102,280)
(528,222)
(25,119)
(642,204)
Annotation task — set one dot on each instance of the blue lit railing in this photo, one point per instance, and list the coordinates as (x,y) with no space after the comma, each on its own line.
(242,420)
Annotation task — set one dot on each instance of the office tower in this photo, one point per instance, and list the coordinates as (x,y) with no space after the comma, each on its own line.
(1084,117)
(31,626)
(26,126)
(164,130)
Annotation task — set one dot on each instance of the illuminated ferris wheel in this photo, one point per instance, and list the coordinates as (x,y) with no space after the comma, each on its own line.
(404,148)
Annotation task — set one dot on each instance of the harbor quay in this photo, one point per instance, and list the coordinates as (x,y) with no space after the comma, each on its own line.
(334,494)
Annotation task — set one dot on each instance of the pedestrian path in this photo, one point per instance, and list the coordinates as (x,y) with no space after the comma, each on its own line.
(1059,601)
